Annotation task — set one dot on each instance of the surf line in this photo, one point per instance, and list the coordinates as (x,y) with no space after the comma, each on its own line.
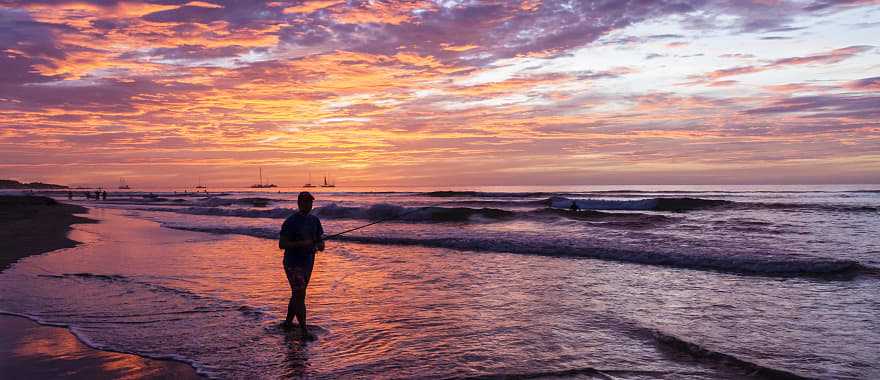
(385,219)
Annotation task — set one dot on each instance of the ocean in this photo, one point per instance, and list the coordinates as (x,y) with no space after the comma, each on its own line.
(643,282)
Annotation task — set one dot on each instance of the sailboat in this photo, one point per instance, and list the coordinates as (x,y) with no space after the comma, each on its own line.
(261,185)
(327,184)
(123,185)
(200,186)
(309,184)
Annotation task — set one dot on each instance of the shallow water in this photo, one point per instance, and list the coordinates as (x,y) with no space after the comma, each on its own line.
(470,303)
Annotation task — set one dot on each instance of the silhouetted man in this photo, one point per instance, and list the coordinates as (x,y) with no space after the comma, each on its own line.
(300,237)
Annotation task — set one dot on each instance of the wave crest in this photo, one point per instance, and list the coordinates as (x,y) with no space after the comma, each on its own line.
(701,352)
(746,264)
(413,214)
(649,204)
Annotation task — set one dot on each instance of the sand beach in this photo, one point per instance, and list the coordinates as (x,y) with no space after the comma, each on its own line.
(34,225)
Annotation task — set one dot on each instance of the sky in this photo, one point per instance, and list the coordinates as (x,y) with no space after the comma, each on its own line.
(440,93)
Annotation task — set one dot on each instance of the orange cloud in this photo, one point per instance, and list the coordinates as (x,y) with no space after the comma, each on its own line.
(449,47)
(122,88)
(203,4)
(382,13)
(311,6)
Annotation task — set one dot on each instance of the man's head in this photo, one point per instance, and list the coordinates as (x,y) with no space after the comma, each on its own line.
(304,202)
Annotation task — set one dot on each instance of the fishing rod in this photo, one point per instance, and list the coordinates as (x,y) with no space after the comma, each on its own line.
(328,237)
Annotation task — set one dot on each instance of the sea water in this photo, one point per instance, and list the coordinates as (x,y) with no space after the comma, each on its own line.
(641,282)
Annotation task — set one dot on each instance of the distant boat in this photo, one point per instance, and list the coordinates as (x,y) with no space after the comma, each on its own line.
(327,184)
(200,186)
(309,184)
(123,185)
(261,185)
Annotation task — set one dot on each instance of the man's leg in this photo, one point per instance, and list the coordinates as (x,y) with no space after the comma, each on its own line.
(291,311)
(299,297)
(292,304)
(296,307)
(301,301)
(301,314)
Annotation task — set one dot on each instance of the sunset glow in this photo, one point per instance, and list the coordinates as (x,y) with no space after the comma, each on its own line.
(440,92)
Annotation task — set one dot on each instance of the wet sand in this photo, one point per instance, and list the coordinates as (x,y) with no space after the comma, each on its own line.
(31,226)
(34,225)
(32,351)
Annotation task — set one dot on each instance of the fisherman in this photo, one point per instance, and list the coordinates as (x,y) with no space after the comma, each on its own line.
(103,195)
(574,206)
(301,235)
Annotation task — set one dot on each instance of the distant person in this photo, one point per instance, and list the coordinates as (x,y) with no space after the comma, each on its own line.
(70,195)
(104,195)
(300,237)
(574,206)
(97,194)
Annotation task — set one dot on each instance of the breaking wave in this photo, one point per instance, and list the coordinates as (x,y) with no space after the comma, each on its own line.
(215,202)
(700,352)
(629,220)
(482,194)
(810,206)
(374,212)
(433,214)
(413,214)
(688,204)
(650,204)
(747,264)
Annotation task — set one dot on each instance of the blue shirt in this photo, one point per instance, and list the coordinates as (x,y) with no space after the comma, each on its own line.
(299,227)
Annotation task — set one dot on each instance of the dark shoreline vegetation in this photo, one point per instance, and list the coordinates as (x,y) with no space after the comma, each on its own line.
(12,184)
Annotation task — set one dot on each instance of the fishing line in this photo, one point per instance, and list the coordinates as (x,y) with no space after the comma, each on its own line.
(385,220)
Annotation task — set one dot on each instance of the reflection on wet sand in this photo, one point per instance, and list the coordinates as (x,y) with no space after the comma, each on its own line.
(297,356)
(29,350)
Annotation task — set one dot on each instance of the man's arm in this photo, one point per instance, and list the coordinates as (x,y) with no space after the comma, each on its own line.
(320,243)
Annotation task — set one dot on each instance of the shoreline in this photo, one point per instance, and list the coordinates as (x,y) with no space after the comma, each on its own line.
(35,225)
(31,350)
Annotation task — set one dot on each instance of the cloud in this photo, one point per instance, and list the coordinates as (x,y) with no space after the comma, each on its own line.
(311,6)
(827,4)
(827,58)
(849,106)
(834,56)
(27,45)
(867,84)
(382,88)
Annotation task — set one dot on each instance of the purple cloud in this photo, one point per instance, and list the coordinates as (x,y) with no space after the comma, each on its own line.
(832,106)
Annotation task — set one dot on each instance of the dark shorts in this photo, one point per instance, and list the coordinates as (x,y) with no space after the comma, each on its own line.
(298,276)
